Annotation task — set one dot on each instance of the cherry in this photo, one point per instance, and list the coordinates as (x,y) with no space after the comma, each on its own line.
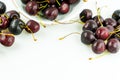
(98,46)
(7,40)
(90,25)
(116,35)
(12,14)
(87,37)
(31,7)
(116,15)
(85,15)
(110,28)
(110,21)
(102,33)
(113,45)
(16,26)
(51,13)
(4,22)
(32,26)
(64,8)
(98,19)
(2,7)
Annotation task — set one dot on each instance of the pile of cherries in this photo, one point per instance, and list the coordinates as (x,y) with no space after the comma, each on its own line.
(11,24)
(48,8)
(101,34)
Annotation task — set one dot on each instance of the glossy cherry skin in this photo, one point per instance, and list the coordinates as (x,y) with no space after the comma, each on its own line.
(110,21)
(7,40)
(110,28)
(87,37)
(2,7)
(113,45)
(33,26)
(12,14)
(64,8)
(98,19)
(51,13)
(116,15)
(32,7)
(85,15)
(102,33)
(90,25)
(98,46)
(16,26)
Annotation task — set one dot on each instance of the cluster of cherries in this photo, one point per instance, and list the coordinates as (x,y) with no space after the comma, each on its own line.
(101,34)
(11,24)
(48,8)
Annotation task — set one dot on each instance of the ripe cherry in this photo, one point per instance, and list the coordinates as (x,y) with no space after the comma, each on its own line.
(87,37)
(32,26)
(51,13)
(16,26)
(64,8)
(113,45)
(31,7)
(90,25)
(102,33)
(110,21)
(85,15)
(7,40)
(98,46)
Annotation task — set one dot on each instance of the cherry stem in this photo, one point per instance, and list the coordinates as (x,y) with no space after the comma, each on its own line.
(47,1)
(68,22)
(58,2)
(6,34)
(85,0)
(68,35)
(0,20)
(43,7)
(98,13)
(42,2)
(31,33)
(99,56)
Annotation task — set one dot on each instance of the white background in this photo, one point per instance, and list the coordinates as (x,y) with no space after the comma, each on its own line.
(51,59)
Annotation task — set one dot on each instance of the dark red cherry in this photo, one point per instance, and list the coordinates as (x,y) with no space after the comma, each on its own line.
(110,21)
(98,19)
(98,46)
(64,8)
(32,26)
(7,40)
(102,33)
(87,37)
(110,28)
(113,45)
(90,25)
(85,15)
(51,13)
(32,7)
